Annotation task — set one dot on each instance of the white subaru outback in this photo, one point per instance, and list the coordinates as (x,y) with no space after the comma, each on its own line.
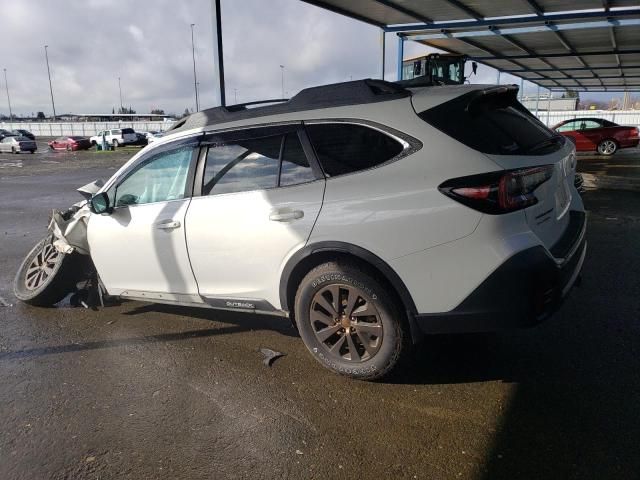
(368,213)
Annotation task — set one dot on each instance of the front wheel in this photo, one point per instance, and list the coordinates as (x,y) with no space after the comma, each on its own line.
(13,150)
(607,147)
(349,321)
(46,276)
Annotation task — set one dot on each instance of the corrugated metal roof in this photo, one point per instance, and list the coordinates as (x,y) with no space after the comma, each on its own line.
(558,44)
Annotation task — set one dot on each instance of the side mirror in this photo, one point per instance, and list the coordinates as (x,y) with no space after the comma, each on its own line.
(99,203)
(474,67)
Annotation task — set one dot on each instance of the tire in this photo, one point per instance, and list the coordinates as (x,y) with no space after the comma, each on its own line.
(68,148)
(13,150)
(385,330)
(115,144)
(607,147)
(93,143)
(47,290)
(33,151)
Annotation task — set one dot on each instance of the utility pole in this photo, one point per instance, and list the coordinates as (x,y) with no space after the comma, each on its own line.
(46,56)
(120,89)
(282,72)
(6,84)
(195,78)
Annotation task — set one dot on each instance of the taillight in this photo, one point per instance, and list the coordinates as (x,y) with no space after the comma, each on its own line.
(498,192)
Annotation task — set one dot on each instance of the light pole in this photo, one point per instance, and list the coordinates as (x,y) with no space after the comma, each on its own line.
(195,78)
(282,72)
(120,89)
(46,56)
(6,84)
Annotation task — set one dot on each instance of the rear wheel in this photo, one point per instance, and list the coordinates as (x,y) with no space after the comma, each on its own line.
(68,148)
(349,322)
(13,150)
(607,147)
(46,275)
(115,144)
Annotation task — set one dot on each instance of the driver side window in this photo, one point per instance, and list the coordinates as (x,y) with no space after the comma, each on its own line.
(161,178)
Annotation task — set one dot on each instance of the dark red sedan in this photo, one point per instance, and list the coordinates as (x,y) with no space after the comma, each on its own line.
(598,134)
(70,143)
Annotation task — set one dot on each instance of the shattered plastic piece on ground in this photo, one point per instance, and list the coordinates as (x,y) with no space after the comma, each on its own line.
(270,356)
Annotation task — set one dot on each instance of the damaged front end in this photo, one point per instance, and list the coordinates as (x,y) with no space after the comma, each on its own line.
(58,263)
(69,227)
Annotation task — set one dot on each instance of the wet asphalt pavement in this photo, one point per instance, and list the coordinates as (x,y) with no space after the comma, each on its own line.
(146,391)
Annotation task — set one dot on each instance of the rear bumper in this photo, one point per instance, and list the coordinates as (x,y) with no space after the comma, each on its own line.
(523,291)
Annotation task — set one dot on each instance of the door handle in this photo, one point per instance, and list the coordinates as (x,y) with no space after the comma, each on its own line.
(167,224)
(285,215)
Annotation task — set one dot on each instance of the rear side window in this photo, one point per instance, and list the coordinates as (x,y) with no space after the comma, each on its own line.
(242,166)
(256,164)
(346,148)
(494,123)
(295,166)
(128,130)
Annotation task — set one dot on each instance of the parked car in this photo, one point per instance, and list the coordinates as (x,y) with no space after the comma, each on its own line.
(116,137)
(16,144)
(367,213)
(24,133)
(598,134)
(153,136)
(72,143)
(141,139)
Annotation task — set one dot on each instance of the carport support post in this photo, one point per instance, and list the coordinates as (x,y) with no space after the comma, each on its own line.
(537,100)
(521,89)
(498,79)
(400,55)
(382,46)
(216,23)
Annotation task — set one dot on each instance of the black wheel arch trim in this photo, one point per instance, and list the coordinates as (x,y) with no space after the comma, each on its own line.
(362,254)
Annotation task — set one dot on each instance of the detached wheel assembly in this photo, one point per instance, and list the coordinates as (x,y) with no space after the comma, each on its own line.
(46,276)
(349,322)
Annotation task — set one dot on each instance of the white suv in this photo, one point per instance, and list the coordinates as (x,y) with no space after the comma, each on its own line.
(116,137)
(368,213)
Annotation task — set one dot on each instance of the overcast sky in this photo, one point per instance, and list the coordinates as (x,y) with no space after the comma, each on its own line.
(147,43)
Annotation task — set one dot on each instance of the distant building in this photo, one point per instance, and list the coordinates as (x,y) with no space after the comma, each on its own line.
(112,117)
(546,103)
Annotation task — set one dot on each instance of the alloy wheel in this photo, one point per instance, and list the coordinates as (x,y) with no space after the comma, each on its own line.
(346,323)
(41,267)
(607,147)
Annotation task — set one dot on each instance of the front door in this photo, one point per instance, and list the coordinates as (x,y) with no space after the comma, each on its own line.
(260,197)
(139,249)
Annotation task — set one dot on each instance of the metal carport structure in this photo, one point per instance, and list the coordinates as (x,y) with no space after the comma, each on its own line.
(586,45)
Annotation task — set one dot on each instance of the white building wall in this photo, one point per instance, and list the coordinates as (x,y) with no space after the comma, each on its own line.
(87,129)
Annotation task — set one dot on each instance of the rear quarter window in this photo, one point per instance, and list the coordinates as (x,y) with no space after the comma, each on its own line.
(345,148)
(495,124)
(128,130)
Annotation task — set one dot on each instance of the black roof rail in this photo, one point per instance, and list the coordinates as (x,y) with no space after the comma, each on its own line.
(355,92)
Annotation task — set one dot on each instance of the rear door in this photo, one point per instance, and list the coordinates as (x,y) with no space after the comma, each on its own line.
(260,192)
